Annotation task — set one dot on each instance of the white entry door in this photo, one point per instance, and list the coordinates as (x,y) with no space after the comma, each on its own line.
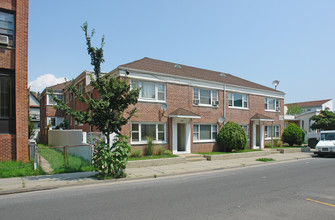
(181,135)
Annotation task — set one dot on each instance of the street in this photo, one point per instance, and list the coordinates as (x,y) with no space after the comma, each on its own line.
(302,189)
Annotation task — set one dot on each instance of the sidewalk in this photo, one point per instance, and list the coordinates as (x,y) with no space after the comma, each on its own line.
(35,183)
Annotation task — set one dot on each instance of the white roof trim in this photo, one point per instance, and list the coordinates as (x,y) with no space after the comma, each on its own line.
(183,116)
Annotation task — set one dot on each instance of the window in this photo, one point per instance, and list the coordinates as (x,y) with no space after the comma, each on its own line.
(81,88)
(7,27)
(7,102)
(246,129)
(303,125)
(150,91)
(272,104)
(205,97)
(67,97)
(140,132)
(53,121)
(206,132)
(238,100)
(268,131)
(51,101)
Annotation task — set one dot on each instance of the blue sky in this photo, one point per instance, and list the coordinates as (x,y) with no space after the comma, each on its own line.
(258,40)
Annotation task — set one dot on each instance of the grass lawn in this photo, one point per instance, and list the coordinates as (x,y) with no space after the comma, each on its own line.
(216,153)
(56,160)
(151,157)
(18,169)
(265,159)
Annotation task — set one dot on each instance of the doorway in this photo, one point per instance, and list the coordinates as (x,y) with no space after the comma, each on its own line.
(181,137)
(258,136)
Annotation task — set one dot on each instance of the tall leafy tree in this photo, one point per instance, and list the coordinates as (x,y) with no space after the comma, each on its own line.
(107,112)
(293,109)
(324,121)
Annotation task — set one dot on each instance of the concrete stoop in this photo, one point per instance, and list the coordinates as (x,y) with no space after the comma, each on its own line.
(193,157)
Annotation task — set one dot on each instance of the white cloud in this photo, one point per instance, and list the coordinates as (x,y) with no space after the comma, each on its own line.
(44,81)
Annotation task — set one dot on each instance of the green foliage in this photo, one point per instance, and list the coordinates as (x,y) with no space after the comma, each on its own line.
(18,169)
(293,135)
(160,150)
(232,137)
(64,124)
(265,159)
(106,112)
(111,161)
(135,153)
(31,127)
(293,109)
(277,143)
(324,121)
(56,161)
(149,149)
(167,153)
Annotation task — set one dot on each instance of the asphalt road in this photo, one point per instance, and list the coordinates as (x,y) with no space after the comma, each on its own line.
(303,189)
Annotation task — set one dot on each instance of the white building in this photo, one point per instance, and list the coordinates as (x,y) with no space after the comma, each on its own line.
(309,109)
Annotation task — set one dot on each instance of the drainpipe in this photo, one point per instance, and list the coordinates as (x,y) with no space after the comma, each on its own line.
(224,103)
(272,131)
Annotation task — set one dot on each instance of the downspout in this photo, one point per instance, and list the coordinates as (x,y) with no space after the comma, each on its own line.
(224,103)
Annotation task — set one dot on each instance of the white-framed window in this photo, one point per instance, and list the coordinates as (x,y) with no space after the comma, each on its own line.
(150,91)
(205,132)
(272,104)
(51,101)
(141,130)
(238,100)
(268,131)
(54,121)
(302,124)
(205,97)
(7,27)
(246,129)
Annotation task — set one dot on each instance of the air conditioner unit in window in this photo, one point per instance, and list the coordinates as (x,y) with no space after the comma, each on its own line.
(4,40)
(277,109)
(215,103)
(195,102)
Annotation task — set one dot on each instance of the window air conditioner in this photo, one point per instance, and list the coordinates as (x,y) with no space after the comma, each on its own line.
(277,109)
(215,103)
(195,102)
(4,40)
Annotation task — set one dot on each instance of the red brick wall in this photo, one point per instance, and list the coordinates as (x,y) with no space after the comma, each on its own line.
(7,147)
(7,58)
(15,146)
(8,4)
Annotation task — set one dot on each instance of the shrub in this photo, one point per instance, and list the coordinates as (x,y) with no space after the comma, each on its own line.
(293,135)
(167,153)
(232,137)
(268,145)
(111,161)
(135,153)
(149,150)
(160,150)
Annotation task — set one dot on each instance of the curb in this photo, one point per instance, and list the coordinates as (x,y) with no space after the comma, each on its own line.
(9,192)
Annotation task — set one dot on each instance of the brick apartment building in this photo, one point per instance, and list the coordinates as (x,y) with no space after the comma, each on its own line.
(49,116)
(13,80)
(181,106)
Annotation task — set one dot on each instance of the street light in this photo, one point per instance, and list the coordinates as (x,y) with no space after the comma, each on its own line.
(275,83)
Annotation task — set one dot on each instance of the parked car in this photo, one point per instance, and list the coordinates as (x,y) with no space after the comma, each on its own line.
(326,145)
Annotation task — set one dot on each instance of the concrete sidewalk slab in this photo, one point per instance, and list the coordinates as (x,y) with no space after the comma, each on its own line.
(33,183)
